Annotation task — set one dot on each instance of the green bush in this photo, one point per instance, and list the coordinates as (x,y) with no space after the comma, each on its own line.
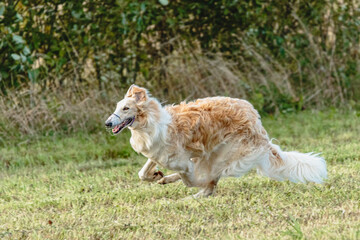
(309,46)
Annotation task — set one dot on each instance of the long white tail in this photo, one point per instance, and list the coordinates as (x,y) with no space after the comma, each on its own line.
(294,166)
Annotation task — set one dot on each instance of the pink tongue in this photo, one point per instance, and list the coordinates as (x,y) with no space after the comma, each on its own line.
(115,129)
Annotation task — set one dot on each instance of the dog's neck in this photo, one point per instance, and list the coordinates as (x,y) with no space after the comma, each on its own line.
(151,139)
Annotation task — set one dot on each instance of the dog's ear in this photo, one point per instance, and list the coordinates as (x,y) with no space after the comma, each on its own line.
(139,93)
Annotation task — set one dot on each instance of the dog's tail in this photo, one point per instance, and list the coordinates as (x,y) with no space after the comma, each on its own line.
(293,166)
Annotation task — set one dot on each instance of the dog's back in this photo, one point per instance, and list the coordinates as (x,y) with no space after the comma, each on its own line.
(205,123)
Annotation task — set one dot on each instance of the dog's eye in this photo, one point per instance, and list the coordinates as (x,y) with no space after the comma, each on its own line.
(125,108)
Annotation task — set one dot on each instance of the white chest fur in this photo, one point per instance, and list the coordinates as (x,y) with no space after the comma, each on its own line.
(159,152)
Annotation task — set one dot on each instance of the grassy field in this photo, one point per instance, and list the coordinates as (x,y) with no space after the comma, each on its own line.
(86,187)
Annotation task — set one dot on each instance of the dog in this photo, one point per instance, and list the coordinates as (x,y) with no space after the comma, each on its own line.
(205,140)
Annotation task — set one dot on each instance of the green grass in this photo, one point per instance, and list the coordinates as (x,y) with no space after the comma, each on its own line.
(86,187)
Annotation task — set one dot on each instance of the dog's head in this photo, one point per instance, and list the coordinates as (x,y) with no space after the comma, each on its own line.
(128,110)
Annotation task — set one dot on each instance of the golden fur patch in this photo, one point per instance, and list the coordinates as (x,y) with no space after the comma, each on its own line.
(203,124)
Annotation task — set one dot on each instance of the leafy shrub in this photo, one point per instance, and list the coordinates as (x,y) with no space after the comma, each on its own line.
(285,55)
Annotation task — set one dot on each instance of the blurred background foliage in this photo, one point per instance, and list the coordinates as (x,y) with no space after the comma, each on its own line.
(63,60)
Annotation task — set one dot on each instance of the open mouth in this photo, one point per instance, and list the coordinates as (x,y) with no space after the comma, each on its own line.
(127,122)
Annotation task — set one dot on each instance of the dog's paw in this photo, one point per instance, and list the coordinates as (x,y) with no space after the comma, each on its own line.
(158,175)
(162,181)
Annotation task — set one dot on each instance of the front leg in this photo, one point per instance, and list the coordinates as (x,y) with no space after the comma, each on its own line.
(169,179)
(149,173)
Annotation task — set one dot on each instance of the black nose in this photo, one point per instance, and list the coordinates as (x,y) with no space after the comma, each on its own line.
(108,124)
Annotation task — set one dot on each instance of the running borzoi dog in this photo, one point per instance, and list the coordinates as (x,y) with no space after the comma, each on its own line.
(205,140)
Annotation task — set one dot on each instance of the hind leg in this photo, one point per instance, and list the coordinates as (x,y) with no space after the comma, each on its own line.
(208,190)
(207,187)
(204,174)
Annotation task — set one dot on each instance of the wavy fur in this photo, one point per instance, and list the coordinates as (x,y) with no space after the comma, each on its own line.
(209,138)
